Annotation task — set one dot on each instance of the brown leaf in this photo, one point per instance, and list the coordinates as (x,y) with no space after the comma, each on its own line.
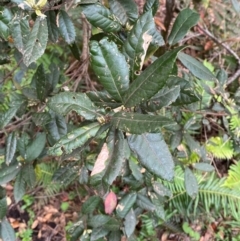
(110,202)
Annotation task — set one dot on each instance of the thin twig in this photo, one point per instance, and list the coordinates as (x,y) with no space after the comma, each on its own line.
(225,46)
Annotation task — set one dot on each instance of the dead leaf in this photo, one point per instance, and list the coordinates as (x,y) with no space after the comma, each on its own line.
(110,202)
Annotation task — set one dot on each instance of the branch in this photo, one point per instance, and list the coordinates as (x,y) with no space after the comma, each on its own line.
(225,46)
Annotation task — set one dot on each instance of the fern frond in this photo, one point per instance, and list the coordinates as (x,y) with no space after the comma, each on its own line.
(233,179)
(212,196)
(219,148)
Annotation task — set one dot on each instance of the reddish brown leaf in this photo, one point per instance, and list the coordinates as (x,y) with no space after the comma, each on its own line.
(110,202)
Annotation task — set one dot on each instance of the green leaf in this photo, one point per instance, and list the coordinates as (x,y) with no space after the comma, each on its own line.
(100,17)
(19,186)
(41,119)
(136,45)
(6,117)
(152,79)
(3,207)
(161,190)
(191,183)
(65,102)
(130,223)
(153,153)
(204,167)
(57,127)
(196,67)
(125,204)
(102,99)
(35,148)
(20,31)
(145,203)
(37,42)
(185,20)
(5,18)
(163,98)
(99,220)
(66,27)
(115,236)
(135,168)
(91,204)
(29,175)
(187,93)
(42,83)
(10,150)
(6,231)
(136,123)
(124,10)
(53,32)
(151,4)
(109,161)
(74,139)
(111,67)
(8,173)
(98,233)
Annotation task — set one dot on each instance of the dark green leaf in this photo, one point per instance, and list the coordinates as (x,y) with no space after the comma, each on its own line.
(3,207)
(42,83)
(161,190)
(196,67)
(20,31)
(117,147)
(151,4)
(35,148)
(115,236)
(91,204)
(102,99)
(98,221)
(186,19)
(152,79)
(164,97)
(145,203)
(124,10)
(75,50)
(187,93)
(6,231)
(65,102)
(125,204)
(41,119)
(53,76)
(100,17)
(66,27)
(130,223)
(83,175)
(136,45)
(6,117)
(10,150)
(153,153)
(5,18)
(98,233)
(19,186)
(52,26)
(140,123)
(37,42)
(76,231)
(8,173)
(57,127)
(191,183)
(205,167)
(74,139)
(135,168)
(29,175)
(111,67)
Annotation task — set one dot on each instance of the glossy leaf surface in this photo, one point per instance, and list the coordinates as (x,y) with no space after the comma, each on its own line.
(111,67)
(37,42)
(65,102)
(153,153)
(74,139)
(140,123)
(100,17)
(191,183)
(11,145)
(186,19)
(152,79)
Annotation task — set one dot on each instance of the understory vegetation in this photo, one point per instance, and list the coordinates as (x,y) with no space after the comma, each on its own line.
(119,120)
